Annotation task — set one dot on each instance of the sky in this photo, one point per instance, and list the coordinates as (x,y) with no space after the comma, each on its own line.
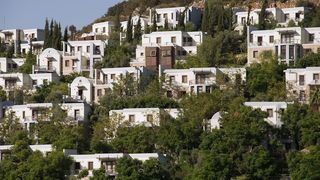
(28,14)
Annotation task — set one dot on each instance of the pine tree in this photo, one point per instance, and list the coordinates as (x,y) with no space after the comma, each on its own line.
(65,34)
(263,15)
(129,30)
(137,30)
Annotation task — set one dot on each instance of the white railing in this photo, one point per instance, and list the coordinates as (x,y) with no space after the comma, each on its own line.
(202,82)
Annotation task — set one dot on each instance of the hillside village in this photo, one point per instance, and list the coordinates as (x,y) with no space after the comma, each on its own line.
(184,90)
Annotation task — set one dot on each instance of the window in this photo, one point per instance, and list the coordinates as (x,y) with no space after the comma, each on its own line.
(184,79)
(276,51)
(158,40)
(251,38)
(165,16)
(301,80)
(79,48)
(298,16)
(77,166)
(96,30)
(184,53)
(307,51)
(34,82)
(23,114)
(199,89)
(270,113)
(271,39)
(76,114)
(311,37)
(99,92)
(291,51)
(113,76)
(90,165)
(255,54)
(283,51)
(287,38)
(45,81)
(172,79)
(302,96)
(131,118)
(153,53)
(66,63)
(173,39)
(316,77)
(286,17)
(208,89)
(259,39)
(88,49)
(73,62)
(243,20)
(149,117)
(104,29)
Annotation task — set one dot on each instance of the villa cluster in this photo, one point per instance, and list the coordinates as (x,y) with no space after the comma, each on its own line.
(156,55)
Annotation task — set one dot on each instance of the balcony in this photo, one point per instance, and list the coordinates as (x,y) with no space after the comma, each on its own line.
(73,99)
(44,69)
(206,81)
(287,41)
(315,82)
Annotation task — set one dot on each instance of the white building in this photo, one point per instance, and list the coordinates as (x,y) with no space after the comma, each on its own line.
(214,122)
(134,21)
(100,31)
(91,90)
(148,117)
(80,56)
(288,44)
(8,65)
(165,47)
(172,15)
(29,114)
(49,61)
(274,110)
(106,161)
(281,16)
(45,149)
(301,82)
(179,82)
(12,81)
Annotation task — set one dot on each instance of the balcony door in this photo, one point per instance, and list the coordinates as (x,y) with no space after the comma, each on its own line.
(200,78)
(50,66)
(287,38)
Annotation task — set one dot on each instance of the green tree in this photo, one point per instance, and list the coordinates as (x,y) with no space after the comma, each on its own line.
(263,15)
(129,34)
(65,34)
(46,35)
(138,31)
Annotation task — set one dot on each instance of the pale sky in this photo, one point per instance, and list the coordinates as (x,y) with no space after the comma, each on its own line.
(27,14)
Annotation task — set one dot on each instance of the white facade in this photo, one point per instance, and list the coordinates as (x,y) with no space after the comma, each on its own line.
(103,28)
(82,89)
(274,110)
(301,82)
(148,117)
(49,61)
(29,114)
(39,80)
(106,161)
(33,34)
(281,16)
(135,20)
(37,47)
(214,122)
(198,80)
(288,44)
(80,56)
(45,149)
(192,15)
(185,43)
(8,65)
(13,81)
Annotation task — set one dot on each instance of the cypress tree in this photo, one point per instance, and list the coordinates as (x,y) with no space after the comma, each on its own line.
(205,18)
(181,24)
(46,34)
(117,24)
(263,15)
(55,36)
(59,37)
(166,24)
(154,24)
(129,30)
(50,39)
(137,30)
(65,34)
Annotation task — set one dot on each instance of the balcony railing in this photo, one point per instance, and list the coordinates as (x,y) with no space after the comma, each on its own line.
(44,69)
(202,82)
(287,41)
